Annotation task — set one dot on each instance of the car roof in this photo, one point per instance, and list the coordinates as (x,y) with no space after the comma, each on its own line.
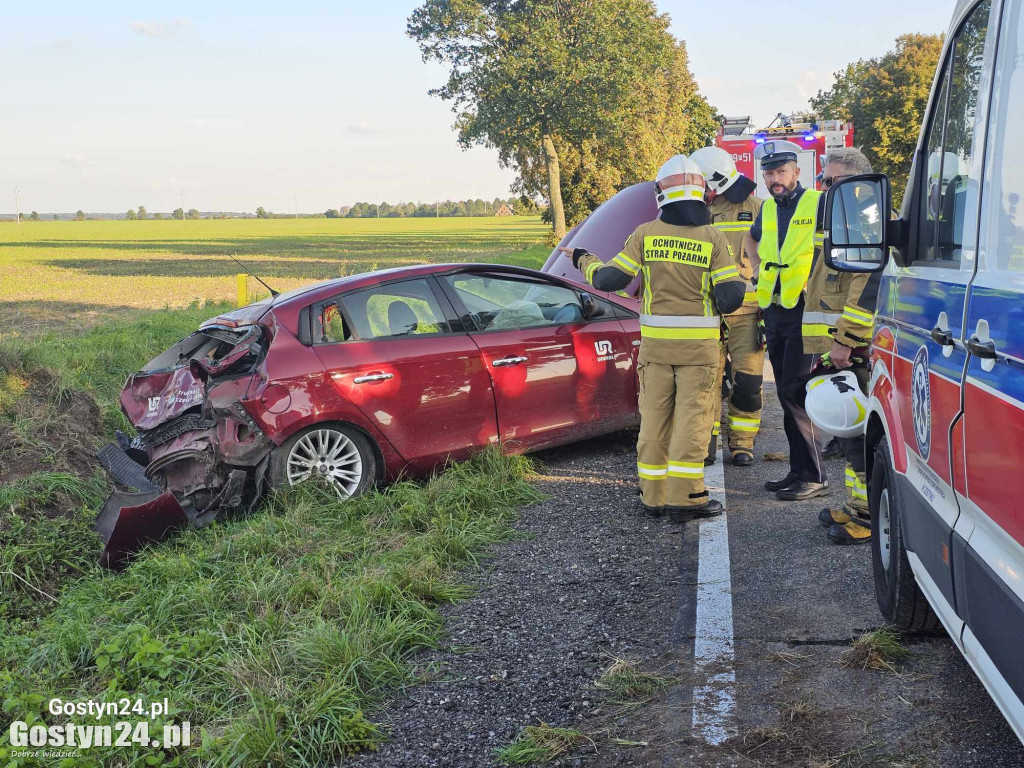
(318,291)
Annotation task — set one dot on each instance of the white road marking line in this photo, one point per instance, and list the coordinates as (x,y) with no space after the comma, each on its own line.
(714,700)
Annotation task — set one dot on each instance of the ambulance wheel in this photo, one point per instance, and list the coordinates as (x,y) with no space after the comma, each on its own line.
(337,453)
(900,599)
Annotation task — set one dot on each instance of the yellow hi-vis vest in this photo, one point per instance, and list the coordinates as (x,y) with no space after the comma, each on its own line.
(792,266)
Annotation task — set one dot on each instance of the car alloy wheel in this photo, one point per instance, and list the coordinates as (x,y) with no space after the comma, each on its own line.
(327,453)
(884,533)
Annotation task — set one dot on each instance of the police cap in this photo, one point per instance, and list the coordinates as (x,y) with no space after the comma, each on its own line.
(772,154)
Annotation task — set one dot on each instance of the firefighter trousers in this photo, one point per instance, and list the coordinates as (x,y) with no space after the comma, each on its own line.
(677,408)
(856,460)
(743,346)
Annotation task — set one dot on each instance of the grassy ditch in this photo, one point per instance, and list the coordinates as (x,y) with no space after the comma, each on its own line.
(275,635)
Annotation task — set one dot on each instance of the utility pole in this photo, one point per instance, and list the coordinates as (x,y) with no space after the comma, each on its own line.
(378,210)
(17,205)
(181,196)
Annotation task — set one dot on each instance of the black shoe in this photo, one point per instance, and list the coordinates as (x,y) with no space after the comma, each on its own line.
(711,508)
(832,450)
(778,485)
(710,460)
(742,459)
(801,490)
(652,511)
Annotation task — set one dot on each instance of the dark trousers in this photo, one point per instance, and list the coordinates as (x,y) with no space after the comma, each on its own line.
(784,332)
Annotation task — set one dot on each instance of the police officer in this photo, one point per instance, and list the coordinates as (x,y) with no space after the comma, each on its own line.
(689,280)
(838,323)
(785,236)
(734,206)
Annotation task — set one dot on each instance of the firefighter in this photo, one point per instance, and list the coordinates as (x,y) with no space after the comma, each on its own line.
(689,280)
(785,237)
(838,324)
(734,206)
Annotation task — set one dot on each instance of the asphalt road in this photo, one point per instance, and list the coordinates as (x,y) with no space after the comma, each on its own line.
(797,601)
(592,580)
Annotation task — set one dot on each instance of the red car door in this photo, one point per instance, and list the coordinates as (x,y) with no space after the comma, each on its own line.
(410,369)
(556,376)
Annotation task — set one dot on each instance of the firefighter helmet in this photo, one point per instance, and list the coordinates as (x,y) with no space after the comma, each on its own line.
(717,167)
(836,405)
(679,180)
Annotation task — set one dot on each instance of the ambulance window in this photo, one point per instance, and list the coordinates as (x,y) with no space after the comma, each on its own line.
(950,195)
(1005,201)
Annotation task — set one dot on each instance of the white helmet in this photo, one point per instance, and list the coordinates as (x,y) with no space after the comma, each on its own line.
(679,180)
(717,167)
(948,162)
(836,405)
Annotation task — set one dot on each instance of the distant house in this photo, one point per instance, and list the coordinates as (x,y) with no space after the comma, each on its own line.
(505,210)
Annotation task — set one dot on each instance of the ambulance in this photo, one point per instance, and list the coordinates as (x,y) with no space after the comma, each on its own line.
(945,427)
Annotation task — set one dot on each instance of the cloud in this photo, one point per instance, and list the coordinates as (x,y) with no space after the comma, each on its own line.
(808,83)
(362,128)
(158,29)
(74,161)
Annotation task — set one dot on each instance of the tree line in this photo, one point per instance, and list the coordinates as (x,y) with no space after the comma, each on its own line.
(582,99)
(519,206)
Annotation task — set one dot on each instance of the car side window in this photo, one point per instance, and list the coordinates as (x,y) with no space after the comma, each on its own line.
(949,196)
(1005,218)
(395,310)
(502,303)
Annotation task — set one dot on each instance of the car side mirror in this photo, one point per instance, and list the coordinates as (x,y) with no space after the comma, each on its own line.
(590,307)
(857,223)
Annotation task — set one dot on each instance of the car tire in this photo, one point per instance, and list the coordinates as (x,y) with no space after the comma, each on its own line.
(899,597)
(339,452)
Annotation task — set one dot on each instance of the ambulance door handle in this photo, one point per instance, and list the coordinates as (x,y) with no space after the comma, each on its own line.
(986,350)
(942,337)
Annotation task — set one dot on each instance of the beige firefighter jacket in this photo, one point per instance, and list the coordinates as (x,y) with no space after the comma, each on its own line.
(838,306)
(734,221)
(681,265)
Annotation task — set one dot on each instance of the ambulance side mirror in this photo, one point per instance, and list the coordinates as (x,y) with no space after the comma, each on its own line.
(857,223)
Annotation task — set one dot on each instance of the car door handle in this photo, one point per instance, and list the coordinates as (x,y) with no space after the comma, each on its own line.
(373,377)
(986,350)
(943,337)
(509,361)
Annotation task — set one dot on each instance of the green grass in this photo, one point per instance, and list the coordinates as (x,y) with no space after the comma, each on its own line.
(625,681)
(880,649)
(68,275)
(541,744)
(276,634)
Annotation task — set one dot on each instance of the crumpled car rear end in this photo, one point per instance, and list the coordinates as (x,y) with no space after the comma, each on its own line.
(200,452)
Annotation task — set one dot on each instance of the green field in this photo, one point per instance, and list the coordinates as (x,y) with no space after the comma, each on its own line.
(70,275)
(280,634)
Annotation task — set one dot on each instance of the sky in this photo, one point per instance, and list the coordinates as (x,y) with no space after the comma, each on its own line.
(225,105)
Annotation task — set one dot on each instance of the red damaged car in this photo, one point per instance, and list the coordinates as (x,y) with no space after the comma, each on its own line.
(363,379)
(372,376)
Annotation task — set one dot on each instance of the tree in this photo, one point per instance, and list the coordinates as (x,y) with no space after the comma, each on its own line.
(55,217)
(34,216)
(332,213)
(79,215)
(142,213)
(158,216)
(261,213)
(885,99)
(179,213)
(536,78)
(131,215)
(193,213)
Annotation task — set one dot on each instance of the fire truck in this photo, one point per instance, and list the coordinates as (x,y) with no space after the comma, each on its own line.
(740,138)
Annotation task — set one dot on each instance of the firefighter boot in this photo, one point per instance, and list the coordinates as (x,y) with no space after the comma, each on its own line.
(857,531)
(711,508)
(828,517)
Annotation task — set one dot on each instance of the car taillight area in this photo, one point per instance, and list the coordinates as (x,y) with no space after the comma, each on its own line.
(195,440)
